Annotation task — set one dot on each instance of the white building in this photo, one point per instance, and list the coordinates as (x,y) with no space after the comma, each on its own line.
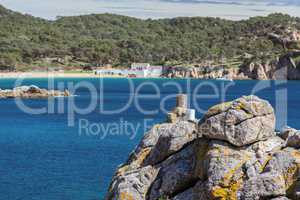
(141,70)
(111,72)
(146,70)
(155,71)
(140,66)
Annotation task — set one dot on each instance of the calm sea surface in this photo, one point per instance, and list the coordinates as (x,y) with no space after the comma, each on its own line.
(41,157)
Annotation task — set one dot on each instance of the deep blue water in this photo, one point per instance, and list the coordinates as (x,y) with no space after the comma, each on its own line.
(41,157)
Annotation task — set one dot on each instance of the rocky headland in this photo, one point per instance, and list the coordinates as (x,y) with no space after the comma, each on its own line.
(31,92)
(232,153)
(285,67)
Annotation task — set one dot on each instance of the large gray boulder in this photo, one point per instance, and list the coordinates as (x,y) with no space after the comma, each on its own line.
(241,122)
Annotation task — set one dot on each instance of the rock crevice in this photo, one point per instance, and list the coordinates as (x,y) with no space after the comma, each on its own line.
(232,153)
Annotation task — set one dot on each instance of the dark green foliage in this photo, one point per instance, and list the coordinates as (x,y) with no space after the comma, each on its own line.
(114,39)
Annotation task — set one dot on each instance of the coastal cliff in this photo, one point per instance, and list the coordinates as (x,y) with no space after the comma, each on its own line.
(232,153)
(285,67)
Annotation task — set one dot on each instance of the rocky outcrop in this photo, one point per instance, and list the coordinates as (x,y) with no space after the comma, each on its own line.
(233,153)
(200,72)
(32,92)
(285,67)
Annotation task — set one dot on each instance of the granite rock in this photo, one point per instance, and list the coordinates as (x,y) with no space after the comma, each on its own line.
(184,161)
(292,137)
(241,122)
(32,92)
(162,141)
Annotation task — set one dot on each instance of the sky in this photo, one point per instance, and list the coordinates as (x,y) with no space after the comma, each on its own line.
(229,9)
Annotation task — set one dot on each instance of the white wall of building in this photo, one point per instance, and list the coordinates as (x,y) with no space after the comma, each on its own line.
(139,66)
(141,70)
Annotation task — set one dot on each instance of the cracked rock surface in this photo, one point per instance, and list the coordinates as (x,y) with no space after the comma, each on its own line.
(233,153)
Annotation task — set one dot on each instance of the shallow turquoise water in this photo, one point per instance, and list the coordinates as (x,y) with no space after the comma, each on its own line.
(41,157)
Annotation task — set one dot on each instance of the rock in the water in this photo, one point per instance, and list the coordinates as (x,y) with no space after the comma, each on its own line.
(33,89)
(32,92)
(240,122)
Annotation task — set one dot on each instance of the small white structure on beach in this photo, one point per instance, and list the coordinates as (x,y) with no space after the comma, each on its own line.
(141,70)
(146,70)
(139,66)
(111,72)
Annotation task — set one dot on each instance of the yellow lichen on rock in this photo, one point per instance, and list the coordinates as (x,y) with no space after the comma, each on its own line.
(291,176)
(295,154)
(142,156)
(227,179)
(126,196)
(228,188)
(264,164)
(229,155)
(156,126)
(219,193)
(227,193)
(121,171)
(219,108)
(240,106)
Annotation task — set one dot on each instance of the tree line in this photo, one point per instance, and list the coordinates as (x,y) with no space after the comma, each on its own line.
(100,39)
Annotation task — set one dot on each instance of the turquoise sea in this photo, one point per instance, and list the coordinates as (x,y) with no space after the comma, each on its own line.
(43,158)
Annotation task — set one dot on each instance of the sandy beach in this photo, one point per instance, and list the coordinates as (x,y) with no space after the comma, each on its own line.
(50,75)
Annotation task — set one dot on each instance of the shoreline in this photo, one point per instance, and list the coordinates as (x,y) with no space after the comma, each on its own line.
(28,75)
(7,75)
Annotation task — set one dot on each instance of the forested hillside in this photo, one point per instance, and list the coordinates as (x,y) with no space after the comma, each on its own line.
(112,39)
